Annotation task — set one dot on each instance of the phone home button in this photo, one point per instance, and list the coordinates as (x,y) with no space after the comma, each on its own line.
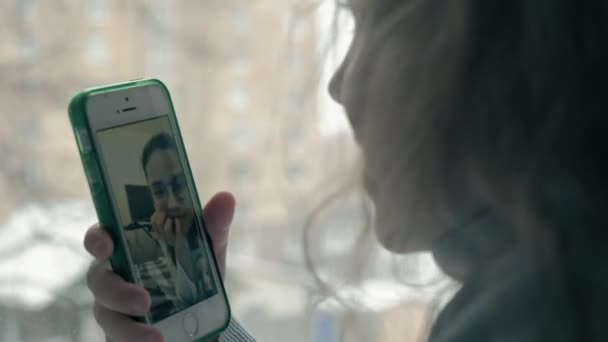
(190,324)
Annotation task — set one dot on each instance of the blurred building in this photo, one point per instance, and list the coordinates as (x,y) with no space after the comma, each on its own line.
(43,296)
(242,75)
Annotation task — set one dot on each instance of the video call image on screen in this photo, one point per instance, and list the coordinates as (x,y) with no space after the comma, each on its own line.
(156,211)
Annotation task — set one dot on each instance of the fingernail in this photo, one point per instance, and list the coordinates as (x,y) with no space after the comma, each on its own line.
(100,248)
(152,337)
(139,303)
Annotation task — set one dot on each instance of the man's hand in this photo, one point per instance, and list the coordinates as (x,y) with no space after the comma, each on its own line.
(116,299)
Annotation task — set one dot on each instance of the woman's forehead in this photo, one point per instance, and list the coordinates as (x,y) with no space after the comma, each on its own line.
(163,161)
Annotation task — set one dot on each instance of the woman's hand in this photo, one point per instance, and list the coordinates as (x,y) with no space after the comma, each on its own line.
(168,229)
(116,299)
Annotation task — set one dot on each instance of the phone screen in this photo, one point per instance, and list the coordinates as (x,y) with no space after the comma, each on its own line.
(154,201)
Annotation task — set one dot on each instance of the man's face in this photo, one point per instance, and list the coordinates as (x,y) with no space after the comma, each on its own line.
(167,183)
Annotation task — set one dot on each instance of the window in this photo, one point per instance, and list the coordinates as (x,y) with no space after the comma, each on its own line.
(300,29)
(239,19)
(243,136)
(29,9)
(98,11)
(159,62)
(159,39)
(295,101)
(159,14)
(240,60)
(296,171)
(28,47)
(158,55)
(295,135)
(97,51)
(296,27)
(29,129)
(242,172)
(243,131)
(33,177)
(239,99)
(295,60)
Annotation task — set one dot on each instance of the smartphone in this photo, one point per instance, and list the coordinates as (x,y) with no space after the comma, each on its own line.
(144,194)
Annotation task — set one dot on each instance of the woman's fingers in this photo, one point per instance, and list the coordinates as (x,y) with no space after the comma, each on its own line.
(218,215)
(169,231)
(157,220)
(114,297)
(120,328)
(112,292)
(98,243)
(179,229)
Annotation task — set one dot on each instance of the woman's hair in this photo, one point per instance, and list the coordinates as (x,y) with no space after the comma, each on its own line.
(161,141)
(509,97)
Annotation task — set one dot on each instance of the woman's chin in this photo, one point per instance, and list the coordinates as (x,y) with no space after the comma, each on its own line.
(400,240)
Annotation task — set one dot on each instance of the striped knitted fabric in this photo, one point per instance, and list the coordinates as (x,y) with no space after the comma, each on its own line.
(235,333)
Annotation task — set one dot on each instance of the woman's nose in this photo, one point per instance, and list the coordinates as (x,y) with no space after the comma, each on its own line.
(172,201)
(335,85)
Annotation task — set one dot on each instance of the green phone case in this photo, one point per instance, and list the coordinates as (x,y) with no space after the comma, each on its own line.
(99,189)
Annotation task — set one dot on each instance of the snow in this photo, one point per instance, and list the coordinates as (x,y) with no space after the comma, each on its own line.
(41,253)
